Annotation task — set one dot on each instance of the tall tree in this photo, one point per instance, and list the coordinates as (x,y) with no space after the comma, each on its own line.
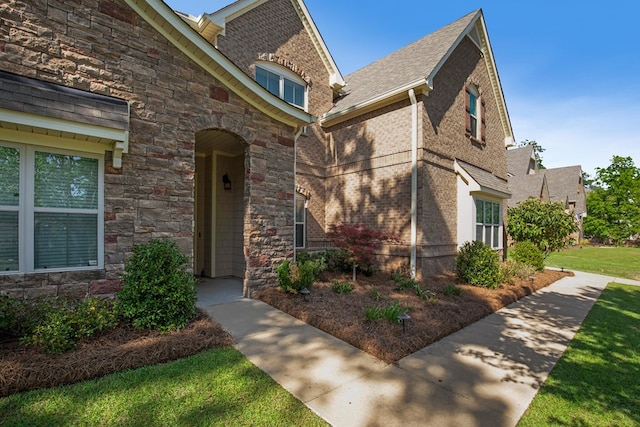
(537,150)
(613,203)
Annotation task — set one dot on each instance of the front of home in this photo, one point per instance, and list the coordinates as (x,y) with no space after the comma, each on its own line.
(235,135)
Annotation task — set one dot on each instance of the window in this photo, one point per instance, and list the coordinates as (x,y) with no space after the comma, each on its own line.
(488,221)
(475,114)
(285,87)
(50,209)
(301,215)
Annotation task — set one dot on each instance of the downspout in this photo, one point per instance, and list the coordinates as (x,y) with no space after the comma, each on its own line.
(414,181)
(299,131)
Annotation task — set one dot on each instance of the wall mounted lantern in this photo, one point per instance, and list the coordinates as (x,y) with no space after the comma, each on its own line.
(226,182)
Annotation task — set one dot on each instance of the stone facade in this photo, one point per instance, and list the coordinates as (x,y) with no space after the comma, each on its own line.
(104,47)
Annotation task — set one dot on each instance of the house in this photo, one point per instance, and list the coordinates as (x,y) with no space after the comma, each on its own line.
(235,134)
(563,185)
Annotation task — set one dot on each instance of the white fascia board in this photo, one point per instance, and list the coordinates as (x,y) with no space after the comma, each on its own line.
(420,87)
(204,53)
(232,11)
(336,81)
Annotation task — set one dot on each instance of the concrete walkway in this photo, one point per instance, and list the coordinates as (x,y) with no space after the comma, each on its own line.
(483,375)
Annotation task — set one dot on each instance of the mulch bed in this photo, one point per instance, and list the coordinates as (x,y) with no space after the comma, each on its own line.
(342,315)
(23,368)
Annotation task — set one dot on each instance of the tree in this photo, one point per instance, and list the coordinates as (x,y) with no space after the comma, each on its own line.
(360,242)
(537,150)
(614,202)
(545,224)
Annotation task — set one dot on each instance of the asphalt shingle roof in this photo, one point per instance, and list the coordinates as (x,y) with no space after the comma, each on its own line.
(518,160)
(405,66)
(485,178)
(564,184)
(524,186)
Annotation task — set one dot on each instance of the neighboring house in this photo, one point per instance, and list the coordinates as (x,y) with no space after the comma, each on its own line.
(235,135)
(563,185)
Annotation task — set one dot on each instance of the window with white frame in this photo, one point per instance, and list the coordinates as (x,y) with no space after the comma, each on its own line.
(488,223)
(51,209)
(300,221)
(475,114)
(282,83)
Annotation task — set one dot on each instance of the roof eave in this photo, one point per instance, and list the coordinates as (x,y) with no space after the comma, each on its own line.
(182,35)
(372,104)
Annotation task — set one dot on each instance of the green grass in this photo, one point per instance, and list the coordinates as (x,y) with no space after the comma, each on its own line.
(616,262)
(218,387)
(596,382)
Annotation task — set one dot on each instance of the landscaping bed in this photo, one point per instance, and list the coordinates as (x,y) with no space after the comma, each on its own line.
(432,316)
(124,347)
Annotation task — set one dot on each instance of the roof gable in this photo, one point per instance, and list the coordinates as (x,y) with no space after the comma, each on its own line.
(210,25)
(565,185)
(519,160)
(414,67)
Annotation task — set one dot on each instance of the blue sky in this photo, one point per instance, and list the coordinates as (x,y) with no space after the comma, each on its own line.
(570,69)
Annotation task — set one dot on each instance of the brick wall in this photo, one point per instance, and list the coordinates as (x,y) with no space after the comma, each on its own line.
(102,46)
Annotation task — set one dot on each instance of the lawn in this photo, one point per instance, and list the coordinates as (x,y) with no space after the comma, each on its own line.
(610,261)
(595,383)
(214,388)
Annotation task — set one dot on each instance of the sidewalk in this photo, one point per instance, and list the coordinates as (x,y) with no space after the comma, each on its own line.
(483,375)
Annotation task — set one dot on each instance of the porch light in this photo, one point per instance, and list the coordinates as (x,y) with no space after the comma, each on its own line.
(226,182)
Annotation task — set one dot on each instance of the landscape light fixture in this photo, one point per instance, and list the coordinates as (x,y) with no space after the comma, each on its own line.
(403,317)
(226,181)
(305,294)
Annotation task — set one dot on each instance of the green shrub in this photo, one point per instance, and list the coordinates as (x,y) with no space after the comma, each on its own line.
(341,287)
(64,322)
(318,259)
(19,317)
(158,293)
(452,290)
(293,277)
(477,264)
(339,260)
(512,270)
(527,253)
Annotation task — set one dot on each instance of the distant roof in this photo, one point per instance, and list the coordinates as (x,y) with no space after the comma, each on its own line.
(412,63)
(565,184)
(485,178)
(524,186)
(518,160)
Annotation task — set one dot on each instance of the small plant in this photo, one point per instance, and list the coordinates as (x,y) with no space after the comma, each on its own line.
(293,277)
(341,287)
(158,292)
(477,264)
(512,270)
(64,323)
(425,294)
(390,312)
(376,295)
(527,253)
(450,290)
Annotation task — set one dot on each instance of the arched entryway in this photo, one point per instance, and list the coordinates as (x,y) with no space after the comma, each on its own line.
(219,204)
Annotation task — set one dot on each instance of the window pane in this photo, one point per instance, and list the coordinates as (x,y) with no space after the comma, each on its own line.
(9,176)
(496,214)
(479,233)
(64,181)
(496,237)
(299,210)
(479,211)
(487,234)
(472,104)
(487,212)
(293,93)
(9,241)
(268,80)
(299,235)
(65,240)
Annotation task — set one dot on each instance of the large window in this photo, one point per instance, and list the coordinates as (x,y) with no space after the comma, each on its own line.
(285,87)
(50,209)
(300,221)
(488,223)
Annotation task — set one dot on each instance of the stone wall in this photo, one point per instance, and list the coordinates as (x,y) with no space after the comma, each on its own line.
(104,47)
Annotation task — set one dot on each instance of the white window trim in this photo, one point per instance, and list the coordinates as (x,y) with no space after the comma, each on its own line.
(27,210)
(285,73)
(500,222)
